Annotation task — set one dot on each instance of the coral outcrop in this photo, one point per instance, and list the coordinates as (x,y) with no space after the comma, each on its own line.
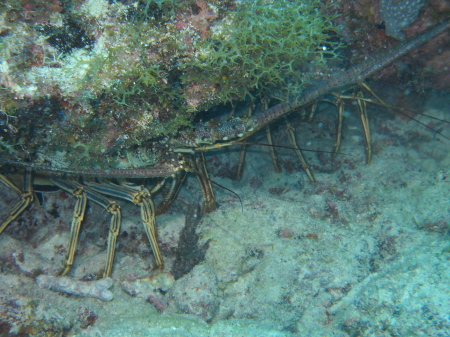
(98,78)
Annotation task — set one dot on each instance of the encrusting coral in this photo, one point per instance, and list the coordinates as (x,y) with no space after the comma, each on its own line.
(99,78)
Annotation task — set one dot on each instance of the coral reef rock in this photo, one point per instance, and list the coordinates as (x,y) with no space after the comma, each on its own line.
(197,293)
(399,14)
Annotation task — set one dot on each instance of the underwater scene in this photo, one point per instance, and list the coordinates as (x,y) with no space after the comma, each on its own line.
(224,168)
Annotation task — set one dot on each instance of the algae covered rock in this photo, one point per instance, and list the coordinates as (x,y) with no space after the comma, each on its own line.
(90,82)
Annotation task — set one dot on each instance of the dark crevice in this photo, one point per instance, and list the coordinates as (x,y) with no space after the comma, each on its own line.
(189,253)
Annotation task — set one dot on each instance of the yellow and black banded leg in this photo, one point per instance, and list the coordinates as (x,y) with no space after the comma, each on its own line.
(156,187)
(81,193)
(114,226)
(362,108)
(138,196)
(337,142)
(26,195)
(177,181)
(273,154)
(312,112)
(209,199)
(291,136)
(240,169)
(364,117)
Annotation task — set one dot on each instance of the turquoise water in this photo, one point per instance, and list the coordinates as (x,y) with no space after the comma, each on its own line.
(362,251)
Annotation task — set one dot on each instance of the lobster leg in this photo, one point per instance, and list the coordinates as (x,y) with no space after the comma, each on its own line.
(175,186)
(209,203)
(138,196)
(78,215)
(337,143)
(240,169)
(26,197)
(291,136)
(81,193)
(273,154)
(362,107)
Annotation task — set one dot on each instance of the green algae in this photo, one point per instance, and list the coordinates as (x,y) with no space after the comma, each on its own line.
(263,49)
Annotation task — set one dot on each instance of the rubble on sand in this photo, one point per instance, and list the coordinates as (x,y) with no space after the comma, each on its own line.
(97,289)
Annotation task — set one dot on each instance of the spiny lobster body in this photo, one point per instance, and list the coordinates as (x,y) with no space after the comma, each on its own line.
(184,152)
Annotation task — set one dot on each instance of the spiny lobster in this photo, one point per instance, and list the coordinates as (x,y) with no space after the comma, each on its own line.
(183,153)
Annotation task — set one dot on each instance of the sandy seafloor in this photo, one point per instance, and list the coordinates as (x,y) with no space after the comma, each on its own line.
(364,251)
